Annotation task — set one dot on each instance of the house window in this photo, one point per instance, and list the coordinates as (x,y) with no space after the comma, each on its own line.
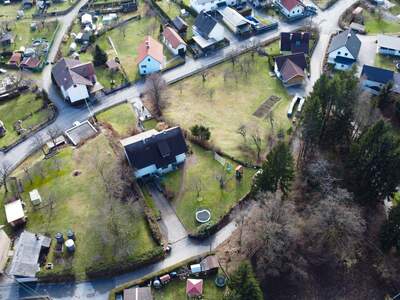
(339,52)
(346,54)
(148,59)
(75,85)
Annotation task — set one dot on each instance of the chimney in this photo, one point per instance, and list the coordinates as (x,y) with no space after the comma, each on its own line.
(36,236)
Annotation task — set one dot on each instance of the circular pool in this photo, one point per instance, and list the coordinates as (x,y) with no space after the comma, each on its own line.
(203,216)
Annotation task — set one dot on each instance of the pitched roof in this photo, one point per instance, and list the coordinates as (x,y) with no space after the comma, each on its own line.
(348,39)
(26,254)
(179,24)
(377,74)
(209,263)
(204,24)
(173,37)
(295,42)
(15,58)
(152,147)
(68,72)
(30,62)
(290,4)
(138,293)
(298,58)
(291,65)
(150,47)
(194,287)
(388,41)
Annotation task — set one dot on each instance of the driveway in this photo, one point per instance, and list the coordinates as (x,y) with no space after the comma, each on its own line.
(170,224)
(368,51)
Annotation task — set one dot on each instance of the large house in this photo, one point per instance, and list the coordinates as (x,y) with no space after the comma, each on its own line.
(75,79)
(150,57)
(234,21)
(373,79)
(291,8)
(290,69)
(388,45)
(344,49)
(208,5)
(295,42)
(155,153)
(207,32)
(173,41)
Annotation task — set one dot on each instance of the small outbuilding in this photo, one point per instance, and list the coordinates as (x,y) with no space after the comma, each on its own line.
(138,293)
(15,213)
(209,264)
(35,197)
(112,65)
(195,269)
(194,287)
(180,25)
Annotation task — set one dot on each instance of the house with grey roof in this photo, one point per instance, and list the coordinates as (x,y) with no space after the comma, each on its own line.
(388,45)
(29,248)
(155,153)
(207,31)
(344,49)
(76,80)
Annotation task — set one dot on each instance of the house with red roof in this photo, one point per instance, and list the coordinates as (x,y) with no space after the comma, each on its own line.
(290,69)
(291,8)
(30,63)
(150,57)
(174,42)
(15,59)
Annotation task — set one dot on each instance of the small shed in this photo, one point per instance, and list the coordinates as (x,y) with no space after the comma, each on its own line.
(359,28)
(138,293)
(357,11)
(15,213)
(112,65)
(33,26)
(209,264)
(195,269)
(180,25)
(165,278)
(194,287)
(86,19)
(35,197)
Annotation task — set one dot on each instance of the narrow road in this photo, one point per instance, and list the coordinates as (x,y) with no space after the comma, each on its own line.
(183,248)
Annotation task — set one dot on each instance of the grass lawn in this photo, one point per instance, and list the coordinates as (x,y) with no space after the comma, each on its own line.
(176,290)
(225,105)
(24,36)
(386,62)
(126,40)
(395,10)
(202,170)
(20,108)
(323,3)
(121,117)
(150,124)
(61,6)
(81,203)
(374,25)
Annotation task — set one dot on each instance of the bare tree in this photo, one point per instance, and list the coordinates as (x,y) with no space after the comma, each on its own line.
(54,132)
(197,185)
(222,178)
(211,92)
(155,88)
(28,174)
(38,142)
(5,172)
(257,142)
(242,130)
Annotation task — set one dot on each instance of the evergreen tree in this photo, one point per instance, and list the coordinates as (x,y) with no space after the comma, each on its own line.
(277,171)
(374,163)
(99,56)
(200,131)
(390,231)
(243,285)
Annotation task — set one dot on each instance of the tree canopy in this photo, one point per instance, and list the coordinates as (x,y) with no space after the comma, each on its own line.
(390,231)
(243,285)
(277,171)
(374,163)
(201,132)
(99,56)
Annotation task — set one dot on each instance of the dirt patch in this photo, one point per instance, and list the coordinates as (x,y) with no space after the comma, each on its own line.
(264,109)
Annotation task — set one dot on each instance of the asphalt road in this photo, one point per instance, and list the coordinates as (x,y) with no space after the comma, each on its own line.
(184,248)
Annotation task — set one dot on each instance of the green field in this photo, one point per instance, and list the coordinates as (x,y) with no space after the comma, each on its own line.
(122,118)
(374,24)
(227,100)
(25,106)
(176,290)
(81,203)
(202,171)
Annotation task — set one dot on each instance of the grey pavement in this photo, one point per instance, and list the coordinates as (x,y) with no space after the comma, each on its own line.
(184,248)
(170,224)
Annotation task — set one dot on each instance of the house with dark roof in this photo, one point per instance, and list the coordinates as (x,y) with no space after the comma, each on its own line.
(207,31)
(295,42)
(373,79)
(290,69)
(76,80)
(6,39)
(180,25)
(155,153)
(388,45)
(344,49)
(150,57)
(291,8)
(173,41)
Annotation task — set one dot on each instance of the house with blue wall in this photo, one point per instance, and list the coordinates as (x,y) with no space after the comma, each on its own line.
(150,57)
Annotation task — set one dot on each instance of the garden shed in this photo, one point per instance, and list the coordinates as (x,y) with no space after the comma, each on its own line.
(35,197)
(15,213)
(138,293)
(194,287)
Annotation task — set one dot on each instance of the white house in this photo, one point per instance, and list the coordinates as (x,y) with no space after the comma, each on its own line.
(344,49)
(155,153)
(208,5)
(173,41)
(388,45)
(291,8)
(150,57)
(76,80)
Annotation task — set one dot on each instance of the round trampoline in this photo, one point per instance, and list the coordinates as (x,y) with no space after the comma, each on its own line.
(220,281)
(203,216)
